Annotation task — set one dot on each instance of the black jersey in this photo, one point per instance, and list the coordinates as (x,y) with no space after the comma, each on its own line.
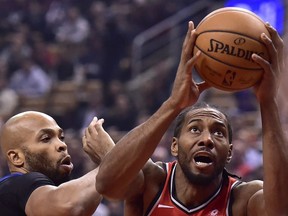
(15,190)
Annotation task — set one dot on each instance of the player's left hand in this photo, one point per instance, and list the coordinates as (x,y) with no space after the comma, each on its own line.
(96,141)
(267,88)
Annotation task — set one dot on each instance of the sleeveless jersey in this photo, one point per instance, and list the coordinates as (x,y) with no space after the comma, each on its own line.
(15,190)
(167,203)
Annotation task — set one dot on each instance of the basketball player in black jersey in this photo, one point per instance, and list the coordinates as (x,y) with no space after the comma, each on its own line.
(34,146)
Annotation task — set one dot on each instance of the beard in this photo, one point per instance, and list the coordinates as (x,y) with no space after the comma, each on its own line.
(201,179)
(42,164)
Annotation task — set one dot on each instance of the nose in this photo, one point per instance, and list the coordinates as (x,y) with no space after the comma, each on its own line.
(61,146)
(207,140)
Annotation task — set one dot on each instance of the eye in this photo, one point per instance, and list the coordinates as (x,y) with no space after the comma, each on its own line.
(45,138)
(219,133)
(195,130)
(62,137)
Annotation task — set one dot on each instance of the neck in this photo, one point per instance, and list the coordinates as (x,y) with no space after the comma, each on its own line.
(192,194)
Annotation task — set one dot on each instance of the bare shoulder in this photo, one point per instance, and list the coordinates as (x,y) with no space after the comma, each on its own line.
(154,172)
(154,168)
(155,175)
(154,178)
(242,195)
(38,196)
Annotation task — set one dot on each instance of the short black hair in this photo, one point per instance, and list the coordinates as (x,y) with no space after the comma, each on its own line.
(201,105)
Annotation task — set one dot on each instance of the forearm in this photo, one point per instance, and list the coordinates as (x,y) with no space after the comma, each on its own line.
(133,150)
(124,163)
(275,159)
(80,194)
(73,198)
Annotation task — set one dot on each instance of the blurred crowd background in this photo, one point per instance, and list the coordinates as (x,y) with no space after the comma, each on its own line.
(72,60)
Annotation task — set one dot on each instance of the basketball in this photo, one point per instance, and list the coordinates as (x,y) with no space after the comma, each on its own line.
(227,38)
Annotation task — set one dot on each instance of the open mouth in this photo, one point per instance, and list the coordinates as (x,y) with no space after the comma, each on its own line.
(67,164)
(203,160)
(66,161)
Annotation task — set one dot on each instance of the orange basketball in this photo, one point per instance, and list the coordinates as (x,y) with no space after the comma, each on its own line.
(227,38)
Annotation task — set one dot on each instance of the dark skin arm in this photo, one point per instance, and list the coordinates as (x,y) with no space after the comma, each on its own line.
(76,197)
(271,197)
(275,145)
(125,162)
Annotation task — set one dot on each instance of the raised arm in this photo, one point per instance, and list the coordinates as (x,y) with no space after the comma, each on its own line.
(79,196)
(273,199)
(122,165)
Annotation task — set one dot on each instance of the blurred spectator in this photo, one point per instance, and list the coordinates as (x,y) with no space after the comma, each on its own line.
(16,49)
(248,141)
(114,88)
(97,14)
(246,101)
(64,68)
(30,80)
(8,97)
(44,54)
(115,43)
(74,29)
(123,114)
(88,66)
(94,106)
(34,17)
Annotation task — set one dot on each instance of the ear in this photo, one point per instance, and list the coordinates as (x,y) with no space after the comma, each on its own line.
(229,157)
(16,157)
(174,147)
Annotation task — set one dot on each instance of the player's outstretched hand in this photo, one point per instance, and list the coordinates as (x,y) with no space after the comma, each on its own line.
(185,90)
(267,88)
(96,141)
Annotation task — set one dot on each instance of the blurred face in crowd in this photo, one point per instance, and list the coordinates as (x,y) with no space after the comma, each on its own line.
(26,65)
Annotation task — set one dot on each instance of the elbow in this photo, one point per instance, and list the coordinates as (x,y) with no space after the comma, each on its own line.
(103,182)
(100,189)
(107,189)
(102,186)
